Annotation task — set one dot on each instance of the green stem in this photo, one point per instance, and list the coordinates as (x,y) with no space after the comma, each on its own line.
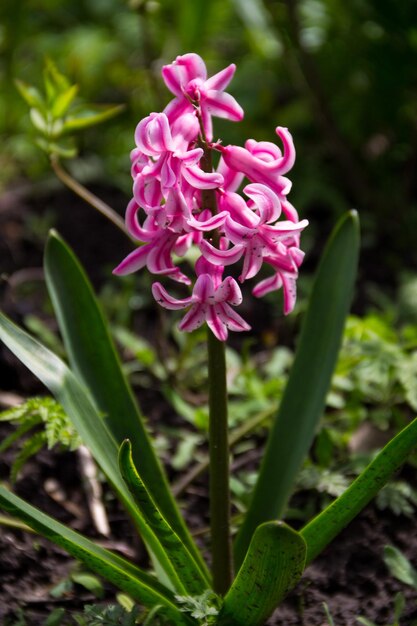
(89,197)
(219,467)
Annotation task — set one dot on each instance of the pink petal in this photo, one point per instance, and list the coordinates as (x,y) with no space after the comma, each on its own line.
(168,302)
(185,68)
(153,134)
(195,317)
(288,159)
(220,80)
(202,180)
(267,285)
(224,105)
(177,107)
(216,221)
(216,324)
(203,289)
(229,291)
(265,200)
(133,262)
(289,286)
(185,130)
(230,318)
(132,222)
(253,260)
(221,257)
(232,179)
(147,191)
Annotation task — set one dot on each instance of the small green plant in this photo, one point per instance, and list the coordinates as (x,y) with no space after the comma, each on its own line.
(57,429)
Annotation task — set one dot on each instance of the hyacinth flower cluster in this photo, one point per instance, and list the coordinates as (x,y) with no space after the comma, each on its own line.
(181,201)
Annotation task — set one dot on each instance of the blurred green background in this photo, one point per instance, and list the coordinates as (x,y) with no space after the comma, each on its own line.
(341,75)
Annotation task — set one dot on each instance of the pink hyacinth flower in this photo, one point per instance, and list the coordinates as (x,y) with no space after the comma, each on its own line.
(169,146)
(255,233)
(157,252)
(210,302)
(187,79)
(263,162)
(285,278)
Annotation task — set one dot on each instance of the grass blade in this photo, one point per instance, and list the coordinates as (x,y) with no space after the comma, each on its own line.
(127,577)
(304,397)
(94,359)
(273,565)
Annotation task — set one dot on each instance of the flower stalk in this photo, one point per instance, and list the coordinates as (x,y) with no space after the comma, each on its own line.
(219,466)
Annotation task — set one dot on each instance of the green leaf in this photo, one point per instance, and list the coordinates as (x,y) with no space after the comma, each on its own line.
(91,116)
(89,582)
(399,566)
(30,447)
(138,584)
(63,101)
(94,358)
(324,527)
(191,576)
(87,421)
(31,95)
(273,565)
(304,398)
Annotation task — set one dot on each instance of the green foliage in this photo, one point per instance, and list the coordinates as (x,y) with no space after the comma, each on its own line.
(114,615)
(399,566)
(204,608)
(57,429)
(56,115)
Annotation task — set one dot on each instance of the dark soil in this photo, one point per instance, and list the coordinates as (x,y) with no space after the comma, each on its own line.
(350,576)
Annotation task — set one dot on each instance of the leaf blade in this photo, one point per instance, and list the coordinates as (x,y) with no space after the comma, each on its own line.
(137,583)
(193,579)
(273,565)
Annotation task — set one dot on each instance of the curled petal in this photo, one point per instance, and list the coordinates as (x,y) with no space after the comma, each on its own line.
(132,222)
(202,180)
(147,191)
(253,259)
(272,283)
(168,302)
(221,257)
(288,159)
(215,221)
(153,134)
(265,200)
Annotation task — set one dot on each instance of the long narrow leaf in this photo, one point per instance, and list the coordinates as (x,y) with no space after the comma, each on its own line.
(304,397)
(138,584)
(189,573)
(273,565)
(323,528)
(88,423)
(94,359)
